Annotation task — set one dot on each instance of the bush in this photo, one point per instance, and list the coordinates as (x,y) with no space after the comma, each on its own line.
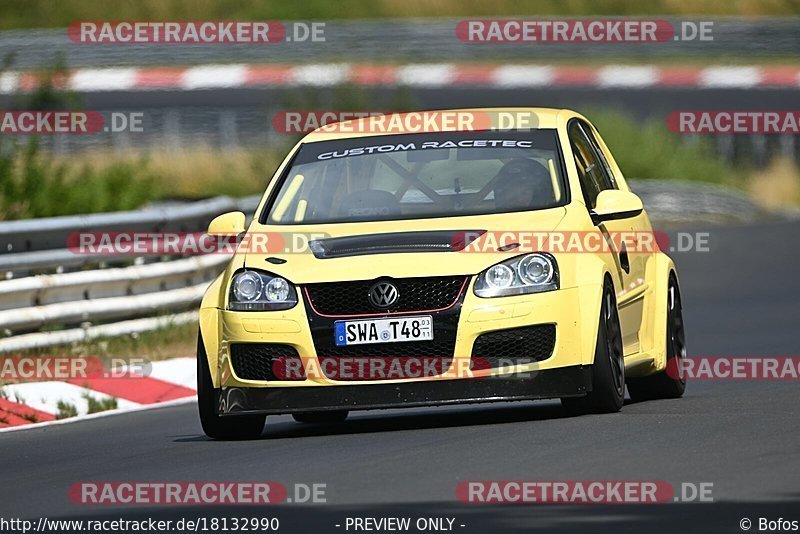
(33,185)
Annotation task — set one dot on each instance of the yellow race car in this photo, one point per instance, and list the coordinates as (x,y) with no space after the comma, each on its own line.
(424,261)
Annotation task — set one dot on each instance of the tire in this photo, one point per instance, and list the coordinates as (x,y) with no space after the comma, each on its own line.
(608,369)
(333,416)
(221,428)
(671,382)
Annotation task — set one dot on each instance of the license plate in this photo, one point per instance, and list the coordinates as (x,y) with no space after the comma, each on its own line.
(391,330)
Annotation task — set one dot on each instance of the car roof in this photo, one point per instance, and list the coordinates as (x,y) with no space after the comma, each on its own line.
(537,118)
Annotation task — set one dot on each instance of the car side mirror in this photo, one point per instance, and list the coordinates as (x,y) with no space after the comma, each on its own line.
(613,204)
(231,223)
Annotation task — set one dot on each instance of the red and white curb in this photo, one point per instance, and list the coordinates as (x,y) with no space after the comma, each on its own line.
(29,404)
(411,75)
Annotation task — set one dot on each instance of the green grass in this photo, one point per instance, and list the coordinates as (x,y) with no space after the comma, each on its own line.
(33,184)
(647,149)
(102,405)
(44,13)
(66,410)
(32,417)
(164,343)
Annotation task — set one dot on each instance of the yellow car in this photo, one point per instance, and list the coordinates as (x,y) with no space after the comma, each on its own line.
(433,262)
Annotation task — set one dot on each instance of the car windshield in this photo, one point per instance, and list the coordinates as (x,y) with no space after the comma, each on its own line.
(420,176)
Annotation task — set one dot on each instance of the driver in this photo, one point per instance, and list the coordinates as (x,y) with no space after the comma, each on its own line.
(522,184)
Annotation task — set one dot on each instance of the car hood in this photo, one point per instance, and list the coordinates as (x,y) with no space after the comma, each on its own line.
(397,249)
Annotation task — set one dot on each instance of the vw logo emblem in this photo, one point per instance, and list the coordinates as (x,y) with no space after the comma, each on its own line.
(383,295)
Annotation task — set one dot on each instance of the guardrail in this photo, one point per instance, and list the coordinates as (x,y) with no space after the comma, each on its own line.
(129,293)
(41,243)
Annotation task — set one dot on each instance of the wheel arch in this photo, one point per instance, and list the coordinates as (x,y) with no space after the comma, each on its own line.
(209,330)
(591,299)
(656,325)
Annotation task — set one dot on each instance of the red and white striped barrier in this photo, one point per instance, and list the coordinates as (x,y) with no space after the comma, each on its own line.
(412,75)
(26,403)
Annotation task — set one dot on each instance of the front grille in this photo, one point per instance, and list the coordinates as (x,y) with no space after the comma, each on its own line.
(415,294)
(514,346)
(266,361)
(396,360)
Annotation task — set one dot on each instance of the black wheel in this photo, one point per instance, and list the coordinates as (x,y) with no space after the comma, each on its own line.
(216,427)
(333,416)
(671,382)
(608,370)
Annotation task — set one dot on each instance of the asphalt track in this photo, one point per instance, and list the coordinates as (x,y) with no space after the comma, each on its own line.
(740,299)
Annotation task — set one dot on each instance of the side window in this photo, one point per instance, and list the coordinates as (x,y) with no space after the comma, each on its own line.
(601,156)
(591,169)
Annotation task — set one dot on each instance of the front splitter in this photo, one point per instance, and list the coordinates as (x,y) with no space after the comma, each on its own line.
(570,381)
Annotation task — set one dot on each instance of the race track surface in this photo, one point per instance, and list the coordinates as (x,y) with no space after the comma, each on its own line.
(740,299)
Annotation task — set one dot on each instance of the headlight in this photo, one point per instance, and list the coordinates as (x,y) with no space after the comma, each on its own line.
(499,277)
(532,273)
(258,291)
(536,269)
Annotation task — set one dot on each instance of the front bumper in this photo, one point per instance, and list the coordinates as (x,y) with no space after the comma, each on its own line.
(573,311)
(560,382)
